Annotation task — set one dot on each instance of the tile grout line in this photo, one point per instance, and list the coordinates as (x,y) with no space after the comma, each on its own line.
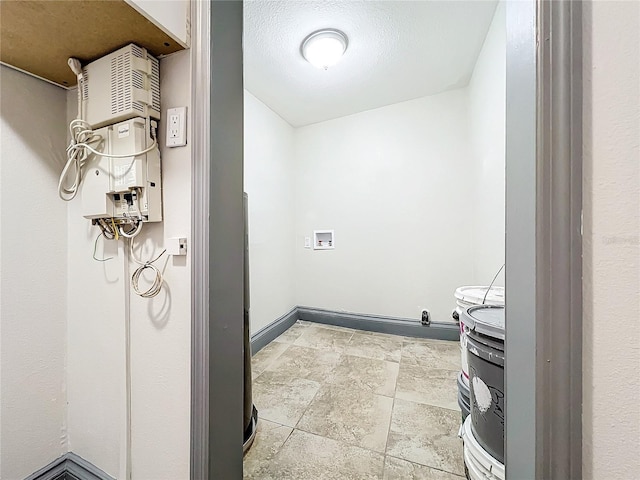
(343,442)
(422,365)
(266,368)
(427,466)
(306,409)
(322,384)
(429,405)
(393,405)
(329,385)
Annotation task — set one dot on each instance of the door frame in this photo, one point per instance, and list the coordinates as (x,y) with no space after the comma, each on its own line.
(543,358)
(543,365)
(217,298)
(200,127)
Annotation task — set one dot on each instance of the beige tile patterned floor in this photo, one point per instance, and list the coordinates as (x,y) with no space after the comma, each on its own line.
(336,403)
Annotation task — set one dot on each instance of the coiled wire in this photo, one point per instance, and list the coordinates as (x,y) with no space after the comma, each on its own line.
(156,286)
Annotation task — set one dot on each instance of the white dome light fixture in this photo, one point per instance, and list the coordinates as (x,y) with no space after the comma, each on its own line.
(324,48)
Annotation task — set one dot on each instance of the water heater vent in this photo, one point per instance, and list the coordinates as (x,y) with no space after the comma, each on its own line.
(122,85)
(85,85)
(155,86)
(120,79)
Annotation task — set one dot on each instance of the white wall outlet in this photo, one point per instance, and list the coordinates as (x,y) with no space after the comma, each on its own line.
(176,127)
(307,242)
(176,246)
(425,317)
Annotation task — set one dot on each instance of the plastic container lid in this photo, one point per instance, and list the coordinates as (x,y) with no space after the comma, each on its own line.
(475,295)
(485,319)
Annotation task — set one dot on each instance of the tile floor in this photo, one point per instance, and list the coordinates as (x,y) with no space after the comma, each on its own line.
(336,403)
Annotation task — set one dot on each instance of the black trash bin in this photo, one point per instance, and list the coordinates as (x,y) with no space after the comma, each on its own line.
(250,420)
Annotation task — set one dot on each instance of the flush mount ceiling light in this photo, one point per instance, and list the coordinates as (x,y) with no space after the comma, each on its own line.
(324,48)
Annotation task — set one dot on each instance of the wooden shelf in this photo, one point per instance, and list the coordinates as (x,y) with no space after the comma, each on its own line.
(39,36)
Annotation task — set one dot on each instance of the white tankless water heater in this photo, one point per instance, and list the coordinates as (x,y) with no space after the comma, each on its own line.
(128,187)
(113,159)
(121,85)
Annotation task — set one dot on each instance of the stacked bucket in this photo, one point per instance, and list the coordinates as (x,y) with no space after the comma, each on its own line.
(480,311)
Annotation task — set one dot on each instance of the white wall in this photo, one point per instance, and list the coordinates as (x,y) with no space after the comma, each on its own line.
(95,343)
(395,185)
(415,192)
(269,181)
(160,328)
(32,274)
(487,104)
(611,351)
(172,16)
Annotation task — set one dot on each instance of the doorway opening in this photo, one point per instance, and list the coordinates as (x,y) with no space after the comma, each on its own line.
(376,189)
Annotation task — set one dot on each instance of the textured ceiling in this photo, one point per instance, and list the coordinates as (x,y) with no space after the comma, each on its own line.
(397,51)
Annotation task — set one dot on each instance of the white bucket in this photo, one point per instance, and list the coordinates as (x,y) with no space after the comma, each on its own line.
(475,295)
(470,297)
(480,465)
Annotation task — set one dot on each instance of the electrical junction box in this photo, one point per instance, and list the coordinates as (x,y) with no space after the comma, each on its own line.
(123,188)
(121,85)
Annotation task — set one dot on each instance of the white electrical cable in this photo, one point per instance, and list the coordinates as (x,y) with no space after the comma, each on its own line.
(82,137)
(131,233)
(85,145)
(156,286)
(80,145)
(137,224)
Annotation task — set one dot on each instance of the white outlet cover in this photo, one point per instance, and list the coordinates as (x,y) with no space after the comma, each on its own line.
(176,127)
(307,242)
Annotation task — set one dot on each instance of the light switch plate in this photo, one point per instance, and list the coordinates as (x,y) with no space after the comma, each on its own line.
(176,127)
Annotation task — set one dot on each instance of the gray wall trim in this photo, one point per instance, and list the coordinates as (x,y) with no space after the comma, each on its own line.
(520,254)
(559,242)
(70,467)
(359,321)
(381,324)
(268,334)
(80,469)
(56,470)
(226,244)
(200,154)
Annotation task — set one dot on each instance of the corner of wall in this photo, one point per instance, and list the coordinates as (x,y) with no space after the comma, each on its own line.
(270,184)
(33,243)
(487,134)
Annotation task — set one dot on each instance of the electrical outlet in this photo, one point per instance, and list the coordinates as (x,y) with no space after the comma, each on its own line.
(176,127)
(425,319)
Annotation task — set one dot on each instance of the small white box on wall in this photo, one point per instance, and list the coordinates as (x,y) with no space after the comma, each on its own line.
(324,240)
(176,245)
